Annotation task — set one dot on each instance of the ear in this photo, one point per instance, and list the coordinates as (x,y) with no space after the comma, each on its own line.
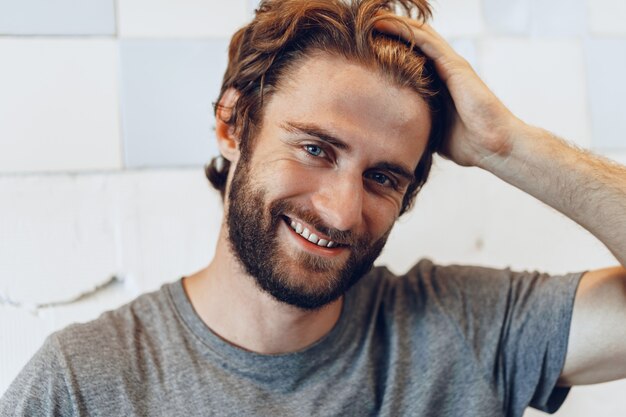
(227,141)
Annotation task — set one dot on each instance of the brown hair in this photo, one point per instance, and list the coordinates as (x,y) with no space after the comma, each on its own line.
(284,32)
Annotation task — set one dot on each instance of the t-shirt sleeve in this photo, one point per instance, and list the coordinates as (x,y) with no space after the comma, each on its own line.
(40,388)
(518,326)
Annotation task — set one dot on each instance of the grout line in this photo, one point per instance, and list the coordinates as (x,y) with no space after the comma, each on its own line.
(120,113)
(131,170)
(55,36)
(116,16)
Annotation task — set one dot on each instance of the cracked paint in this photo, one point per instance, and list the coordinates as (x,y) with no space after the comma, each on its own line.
(7,300)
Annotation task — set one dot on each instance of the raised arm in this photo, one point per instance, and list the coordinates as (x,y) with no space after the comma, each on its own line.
(587,188)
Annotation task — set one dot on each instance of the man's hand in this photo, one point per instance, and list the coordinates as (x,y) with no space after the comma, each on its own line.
(584,187)
(482,125)
(588,189)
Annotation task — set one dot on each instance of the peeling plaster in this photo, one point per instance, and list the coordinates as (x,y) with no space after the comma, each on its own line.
(6,300)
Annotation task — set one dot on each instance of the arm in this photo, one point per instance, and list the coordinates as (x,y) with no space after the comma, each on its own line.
(588,189)
(591,191)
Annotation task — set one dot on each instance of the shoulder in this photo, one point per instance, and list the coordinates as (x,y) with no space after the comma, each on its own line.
(99,366)
(453,288)
(473,280)
(116,337)
(144,310)
(428,278)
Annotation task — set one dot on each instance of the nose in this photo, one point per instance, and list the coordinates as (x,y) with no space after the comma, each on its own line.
(339,201)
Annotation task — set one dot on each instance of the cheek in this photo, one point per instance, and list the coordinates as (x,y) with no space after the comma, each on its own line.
(287,178)
(380,217)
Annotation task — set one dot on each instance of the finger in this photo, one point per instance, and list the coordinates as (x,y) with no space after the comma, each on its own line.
(419,33)
(392,27)
(428,28)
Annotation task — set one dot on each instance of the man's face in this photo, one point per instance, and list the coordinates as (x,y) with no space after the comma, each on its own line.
(311,208)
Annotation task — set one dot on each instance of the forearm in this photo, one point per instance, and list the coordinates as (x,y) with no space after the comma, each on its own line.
(587,188)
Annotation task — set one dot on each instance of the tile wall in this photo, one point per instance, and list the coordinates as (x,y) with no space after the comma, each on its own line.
(106,122)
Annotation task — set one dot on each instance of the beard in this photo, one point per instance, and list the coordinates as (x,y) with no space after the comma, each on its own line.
(300,279)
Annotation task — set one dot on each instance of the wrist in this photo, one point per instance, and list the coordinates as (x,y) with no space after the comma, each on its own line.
(531,158)
(514,143)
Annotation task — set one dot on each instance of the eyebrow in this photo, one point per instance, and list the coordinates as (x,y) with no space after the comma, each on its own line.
(318,132)
(322,134)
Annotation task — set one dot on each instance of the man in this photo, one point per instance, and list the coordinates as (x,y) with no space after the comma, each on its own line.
(328,116)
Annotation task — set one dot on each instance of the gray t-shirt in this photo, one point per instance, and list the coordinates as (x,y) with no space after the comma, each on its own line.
(438,341)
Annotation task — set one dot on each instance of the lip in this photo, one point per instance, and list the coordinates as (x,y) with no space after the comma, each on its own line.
(312,247)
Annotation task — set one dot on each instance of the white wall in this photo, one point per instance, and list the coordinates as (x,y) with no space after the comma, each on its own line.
(105,124)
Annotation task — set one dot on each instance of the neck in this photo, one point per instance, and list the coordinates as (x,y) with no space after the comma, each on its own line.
(228,301)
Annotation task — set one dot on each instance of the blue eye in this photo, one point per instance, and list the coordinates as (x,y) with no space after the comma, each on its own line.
(313,150)
(381,179)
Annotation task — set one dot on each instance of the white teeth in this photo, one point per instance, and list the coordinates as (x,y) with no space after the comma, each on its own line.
(311,237)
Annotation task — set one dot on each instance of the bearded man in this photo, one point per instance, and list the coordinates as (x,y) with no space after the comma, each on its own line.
(327,121)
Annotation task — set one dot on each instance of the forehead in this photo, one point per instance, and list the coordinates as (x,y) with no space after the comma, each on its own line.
(359,105)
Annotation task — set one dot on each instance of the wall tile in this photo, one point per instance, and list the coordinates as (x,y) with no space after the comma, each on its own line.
(458,18)
(59,105)
(144,227)
(607,17)
(542,82)
(606,66)
(58,237)
(59,17)
(524,233)
(507,16)
(171,18)
(558,18)
(446,222)
(467,215)
(167,91)
(170,221)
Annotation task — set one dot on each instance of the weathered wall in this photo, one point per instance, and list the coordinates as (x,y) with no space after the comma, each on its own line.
(105,123)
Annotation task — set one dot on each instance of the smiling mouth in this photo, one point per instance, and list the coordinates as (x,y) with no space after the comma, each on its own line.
(310,236)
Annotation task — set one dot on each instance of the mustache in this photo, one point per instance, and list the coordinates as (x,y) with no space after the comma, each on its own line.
(346,237)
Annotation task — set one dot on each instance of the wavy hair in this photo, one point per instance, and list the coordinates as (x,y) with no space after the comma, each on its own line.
(284,32)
